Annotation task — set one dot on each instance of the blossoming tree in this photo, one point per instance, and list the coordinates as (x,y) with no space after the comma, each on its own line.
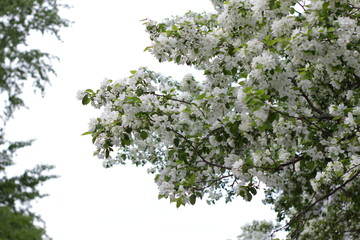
(277,108)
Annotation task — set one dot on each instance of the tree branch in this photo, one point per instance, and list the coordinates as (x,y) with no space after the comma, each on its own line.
(176,100)
(167,97)
(302,118)
(208,135)
(302,6)
(321,115)
(197,152)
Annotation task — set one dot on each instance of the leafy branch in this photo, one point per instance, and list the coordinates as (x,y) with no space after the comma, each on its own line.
(309,207)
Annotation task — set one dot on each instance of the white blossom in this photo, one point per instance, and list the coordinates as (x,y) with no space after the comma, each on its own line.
(277,106)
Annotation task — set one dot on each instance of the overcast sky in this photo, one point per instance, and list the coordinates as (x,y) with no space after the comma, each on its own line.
(89,202)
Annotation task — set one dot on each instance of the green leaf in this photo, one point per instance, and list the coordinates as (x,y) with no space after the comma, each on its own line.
(89,91)
(174,28)
(126,137)
(248,197)
(271,42)
(86,133)
(248,89)
(192,199)
(157,177)
(234,71)
(162,27)
(259,92)
(182,156)
(128,130)
(331,29)
(201,96)
(207,72)
(125,142)
(143,135)
(133,100)
(176,142)
(192,180)
(86,100)
(242,193)
(106,144)
(310,165)
(227,72)
(253,190)
(272,117)
(267,38)
(147,48)
(243,75)
(234,129)
(178,202)
(219,138)
(171,152)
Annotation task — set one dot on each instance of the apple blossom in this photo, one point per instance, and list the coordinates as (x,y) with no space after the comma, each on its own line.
(278,106)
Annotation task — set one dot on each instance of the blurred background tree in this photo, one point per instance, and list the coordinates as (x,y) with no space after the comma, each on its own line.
(20,63)
(257,230)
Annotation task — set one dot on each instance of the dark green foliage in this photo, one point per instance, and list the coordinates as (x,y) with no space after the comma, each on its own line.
(18,226)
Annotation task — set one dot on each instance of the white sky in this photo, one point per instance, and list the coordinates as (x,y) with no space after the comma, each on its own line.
(88,201)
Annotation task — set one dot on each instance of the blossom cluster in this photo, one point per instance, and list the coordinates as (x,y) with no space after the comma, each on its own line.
(278,106)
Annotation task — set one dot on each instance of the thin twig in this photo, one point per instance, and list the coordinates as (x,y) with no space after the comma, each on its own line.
(302,6)
(321,115)
(208,135)
(198,154)
(177,100)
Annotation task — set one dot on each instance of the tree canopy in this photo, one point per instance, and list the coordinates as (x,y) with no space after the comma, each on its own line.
(277,109)
(19,63)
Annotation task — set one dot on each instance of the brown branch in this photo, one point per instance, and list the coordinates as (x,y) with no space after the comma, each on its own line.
(276,168)
(169,98)
(197,152)
(176,100)
(297,159)
(321,115)
(302,118)
(207,136)
(212,181)
(354,11)
(302,6)
(312,106)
